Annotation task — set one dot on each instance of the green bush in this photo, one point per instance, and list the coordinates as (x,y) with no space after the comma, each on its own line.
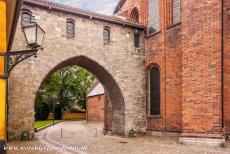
(41,111)
(57,113)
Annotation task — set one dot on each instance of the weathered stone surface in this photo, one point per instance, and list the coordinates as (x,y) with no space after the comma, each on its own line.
(118,66)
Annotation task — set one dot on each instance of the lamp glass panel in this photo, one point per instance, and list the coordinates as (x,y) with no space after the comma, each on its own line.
(40,36)
(30,33)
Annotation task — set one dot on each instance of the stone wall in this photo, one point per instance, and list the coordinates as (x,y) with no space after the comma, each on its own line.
(119,66)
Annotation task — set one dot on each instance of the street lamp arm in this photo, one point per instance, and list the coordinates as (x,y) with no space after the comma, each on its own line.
(13,58)
(34,36)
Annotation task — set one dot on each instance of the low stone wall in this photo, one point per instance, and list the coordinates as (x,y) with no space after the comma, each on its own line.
(70,116)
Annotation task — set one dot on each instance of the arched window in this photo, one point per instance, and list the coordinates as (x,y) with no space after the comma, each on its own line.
(154,91)
(70,28)
(26,17)
(106,35)
(134,16)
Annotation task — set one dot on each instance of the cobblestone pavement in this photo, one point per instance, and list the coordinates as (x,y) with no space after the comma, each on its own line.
(88,135)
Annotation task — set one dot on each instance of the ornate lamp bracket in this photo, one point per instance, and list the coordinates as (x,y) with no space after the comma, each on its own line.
(11,59)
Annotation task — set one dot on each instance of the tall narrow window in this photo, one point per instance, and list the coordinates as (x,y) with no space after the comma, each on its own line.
(154,16)
(176,11)
(137,39)
(134,16)
(154,91)
(106,35)
(26,17)
(70,28)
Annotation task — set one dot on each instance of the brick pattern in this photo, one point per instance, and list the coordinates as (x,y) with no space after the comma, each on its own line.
(95,108)
(163,49)
(189,57)
(129,5)
(226,66)
(201,67)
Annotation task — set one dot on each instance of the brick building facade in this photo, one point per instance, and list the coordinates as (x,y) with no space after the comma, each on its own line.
(95,103)
(99,107)
(191,50)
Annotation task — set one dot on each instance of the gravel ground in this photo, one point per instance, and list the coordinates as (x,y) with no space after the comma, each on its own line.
(89,137)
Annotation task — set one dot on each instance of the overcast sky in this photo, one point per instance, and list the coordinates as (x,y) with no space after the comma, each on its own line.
(98,6)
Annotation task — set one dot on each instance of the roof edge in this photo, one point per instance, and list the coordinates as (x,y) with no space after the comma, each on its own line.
(79,12)
(93,85)
(119,5)
(15,23)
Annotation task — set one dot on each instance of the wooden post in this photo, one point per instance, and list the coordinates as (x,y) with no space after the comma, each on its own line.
(61,133)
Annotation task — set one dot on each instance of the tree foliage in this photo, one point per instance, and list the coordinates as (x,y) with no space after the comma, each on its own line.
(66,88)
(42,111)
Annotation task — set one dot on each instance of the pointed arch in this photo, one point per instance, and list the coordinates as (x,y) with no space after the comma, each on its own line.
(110,84)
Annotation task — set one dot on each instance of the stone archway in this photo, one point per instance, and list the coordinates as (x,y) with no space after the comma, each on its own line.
(112,89)
(118,65)
(25,113)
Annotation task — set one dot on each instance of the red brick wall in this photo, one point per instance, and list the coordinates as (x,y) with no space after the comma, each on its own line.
(189,57)
(227,66)
(201,68)
(140,5)
(99,109)
(154,55)
(173,81)
(95,108)
(163,49)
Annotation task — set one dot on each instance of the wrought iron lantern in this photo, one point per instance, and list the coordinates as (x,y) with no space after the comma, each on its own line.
(34,35)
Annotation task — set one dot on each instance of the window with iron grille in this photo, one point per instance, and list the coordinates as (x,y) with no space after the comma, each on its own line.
(26,17)
(106,36)
(70,28)
(134,16)
(154,16)
(154,91)
(137,40)
(176,11)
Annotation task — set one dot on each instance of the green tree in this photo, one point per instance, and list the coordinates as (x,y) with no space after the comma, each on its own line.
(66,87)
